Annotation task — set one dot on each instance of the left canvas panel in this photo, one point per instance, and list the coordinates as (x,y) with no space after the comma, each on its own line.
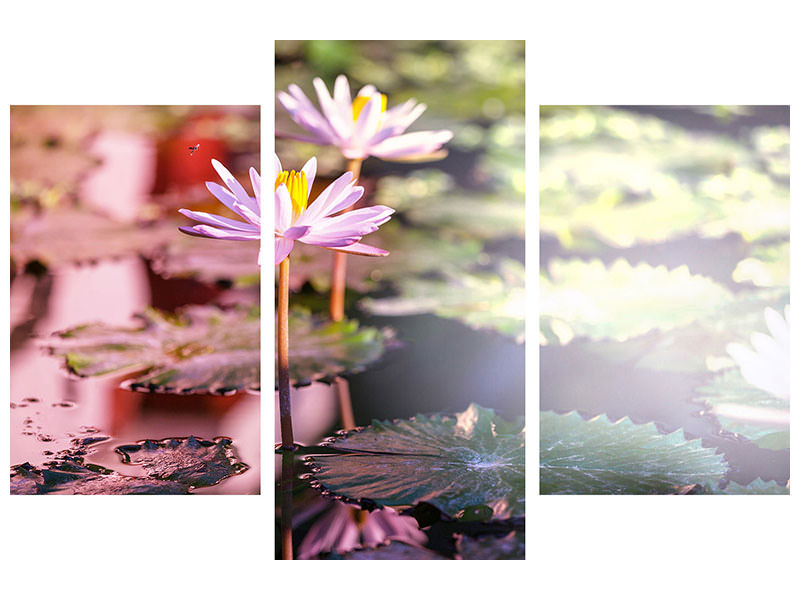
(134,300)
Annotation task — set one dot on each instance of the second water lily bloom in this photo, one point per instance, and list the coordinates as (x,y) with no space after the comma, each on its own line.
(236,199)
(363,126)
(297,221)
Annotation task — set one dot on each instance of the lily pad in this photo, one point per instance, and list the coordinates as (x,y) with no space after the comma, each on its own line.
(64,236)
(173,466)
(449,462)
(216,262)
(192,461)
(203,349)
(482,300)
(599,456)
(322,350)
(746,410)
(622,301)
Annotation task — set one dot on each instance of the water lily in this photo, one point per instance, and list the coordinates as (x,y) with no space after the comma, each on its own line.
(363,126)
(767,365)
(236,199)
(297,221)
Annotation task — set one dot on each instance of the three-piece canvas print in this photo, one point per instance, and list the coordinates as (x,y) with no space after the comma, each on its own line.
(400,301)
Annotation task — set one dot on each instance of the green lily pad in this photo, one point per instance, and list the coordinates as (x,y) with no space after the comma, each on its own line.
(598,456)
(192,461)
(482,300)
(210,261)
(747,410)
(203,349)
(321,350)
(64,236)
(449,462)
(622,301)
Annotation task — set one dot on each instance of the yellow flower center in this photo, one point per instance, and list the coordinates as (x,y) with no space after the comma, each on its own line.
(298,190)
(361,101)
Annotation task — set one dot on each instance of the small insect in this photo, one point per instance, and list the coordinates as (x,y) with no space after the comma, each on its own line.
(193,149)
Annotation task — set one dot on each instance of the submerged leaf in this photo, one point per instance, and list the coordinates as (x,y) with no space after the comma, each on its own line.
(322,350)
(449,462)
(598,456)
(203,350)
(490,547)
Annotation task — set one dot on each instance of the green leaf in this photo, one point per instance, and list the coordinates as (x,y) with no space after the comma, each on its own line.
(621,301)
(321,350)
(482,300)
(598,456)
(192,461)
(403,463)
(747,410)
(64,236)
(203,349)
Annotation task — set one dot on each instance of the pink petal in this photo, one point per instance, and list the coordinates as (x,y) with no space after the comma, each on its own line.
(236,187)
(410,144)
(310,169)
(341,127)
(221,234)
(282,249)
(217,220)
(367,124)
(255,180)
(330,196)
(362,250)
(295,233)
(341,92)
(283,208)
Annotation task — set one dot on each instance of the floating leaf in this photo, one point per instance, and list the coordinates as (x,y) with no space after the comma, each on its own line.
(621,301)
(768,266)
(62,236)
(482,300)
(449,462)
(203,349)
(747,410)
(191,461)
(490,547)
(215,262)
(322,350)
(85,479)
(598,456)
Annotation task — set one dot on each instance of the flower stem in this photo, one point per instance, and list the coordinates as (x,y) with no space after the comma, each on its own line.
(284,399)
(338,285)
(338,275)
(287,436)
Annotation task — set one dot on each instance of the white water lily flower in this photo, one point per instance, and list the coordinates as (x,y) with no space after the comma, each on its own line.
(766,366)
